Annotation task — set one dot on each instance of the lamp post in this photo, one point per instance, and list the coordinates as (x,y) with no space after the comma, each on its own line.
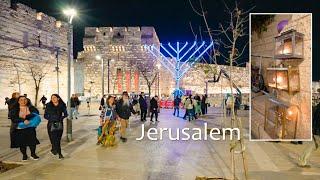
(109,74)
(57,69)
(70,13)
(98,57)
(158,66)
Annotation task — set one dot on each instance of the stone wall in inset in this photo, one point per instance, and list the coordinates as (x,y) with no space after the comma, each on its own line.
(265,45)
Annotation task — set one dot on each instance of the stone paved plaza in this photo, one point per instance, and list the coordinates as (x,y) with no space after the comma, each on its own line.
(155,159)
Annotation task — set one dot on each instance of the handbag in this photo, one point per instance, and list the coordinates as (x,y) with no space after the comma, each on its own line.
(56,126)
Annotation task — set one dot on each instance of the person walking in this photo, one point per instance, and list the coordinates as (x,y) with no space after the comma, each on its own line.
(12,102)
(197,106)
(107,123)
(124,110)
(206,104)
(237,103)
(29,101)
(23,112)
(176,105)
(55,112)
(189,105)
(74,103)
(154,108)
(102,102)
(203,104)
(143,107)
(6,101)
(43,100)
(314,145)
(136,106)
(77,105)
(228,104)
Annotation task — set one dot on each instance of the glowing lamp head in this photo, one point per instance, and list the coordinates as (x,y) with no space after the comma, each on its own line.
(70,12)
(98,57)
(158,65)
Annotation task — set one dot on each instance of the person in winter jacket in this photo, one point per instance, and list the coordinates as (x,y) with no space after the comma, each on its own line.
(143,106)
(55,112)
(12,102)
(189,105)
(107,123)
(43,100)
(23,111)
(74,106)
(102,102)
(154,108)
(124,110)
(176,104)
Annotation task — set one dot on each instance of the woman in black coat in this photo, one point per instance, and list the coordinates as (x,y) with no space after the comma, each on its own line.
(21,138)
(55,112)
(154,108)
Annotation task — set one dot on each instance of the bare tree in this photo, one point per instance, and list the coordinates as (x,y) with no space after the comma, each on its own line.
(149,76)
(18,79)
(38,72)
(228,35)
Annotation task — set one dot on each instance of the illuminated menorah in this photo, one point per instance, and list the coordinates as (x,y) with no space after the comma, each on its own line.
(180,60)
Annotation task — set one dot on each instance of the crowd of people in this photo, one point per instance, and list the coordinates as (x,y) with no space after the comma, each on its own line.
(195,106)
(115,114)
(113,108)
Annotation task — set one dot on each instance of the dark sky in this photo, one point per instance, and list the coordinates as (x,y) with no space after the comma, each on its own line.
(170,17)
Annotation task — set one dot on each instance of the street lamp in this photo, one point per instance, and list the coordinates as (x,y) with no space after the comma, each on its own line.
(158,66)
(70,13)
(98,57)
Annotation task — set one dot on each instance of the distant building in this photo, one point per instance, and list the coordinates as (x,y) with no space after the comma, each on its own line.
(125,47)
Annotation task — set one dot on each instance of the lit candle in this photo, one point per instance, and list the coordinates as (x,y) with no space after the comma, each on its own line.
(287,48)
(279,79)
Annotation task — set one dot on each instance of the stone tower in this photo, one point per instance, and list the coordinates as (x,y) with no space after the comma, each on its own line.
(124,48)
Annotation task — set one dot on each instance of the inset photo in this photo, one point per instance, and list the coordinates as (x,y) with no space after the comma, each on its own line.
(281,77)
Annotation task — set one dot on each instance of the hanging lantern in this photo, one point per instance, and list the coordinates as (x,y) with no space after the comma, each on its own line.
(289,45)
(286,79)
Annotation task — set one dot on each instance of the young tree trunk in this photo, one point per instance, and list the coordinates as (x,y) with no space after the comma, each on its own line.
(149,90)
(37,93)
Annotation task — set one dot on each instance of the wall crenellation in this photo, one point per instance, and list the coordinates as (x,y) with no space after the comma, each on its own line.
(120,35)
(22,11)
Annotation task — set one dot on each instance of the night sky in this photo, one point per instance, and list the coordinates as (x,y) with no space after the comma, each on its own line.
(170,17)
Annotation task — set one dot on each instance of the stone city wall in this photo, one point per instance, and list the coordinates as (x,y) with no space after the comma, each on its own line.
(30,39)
